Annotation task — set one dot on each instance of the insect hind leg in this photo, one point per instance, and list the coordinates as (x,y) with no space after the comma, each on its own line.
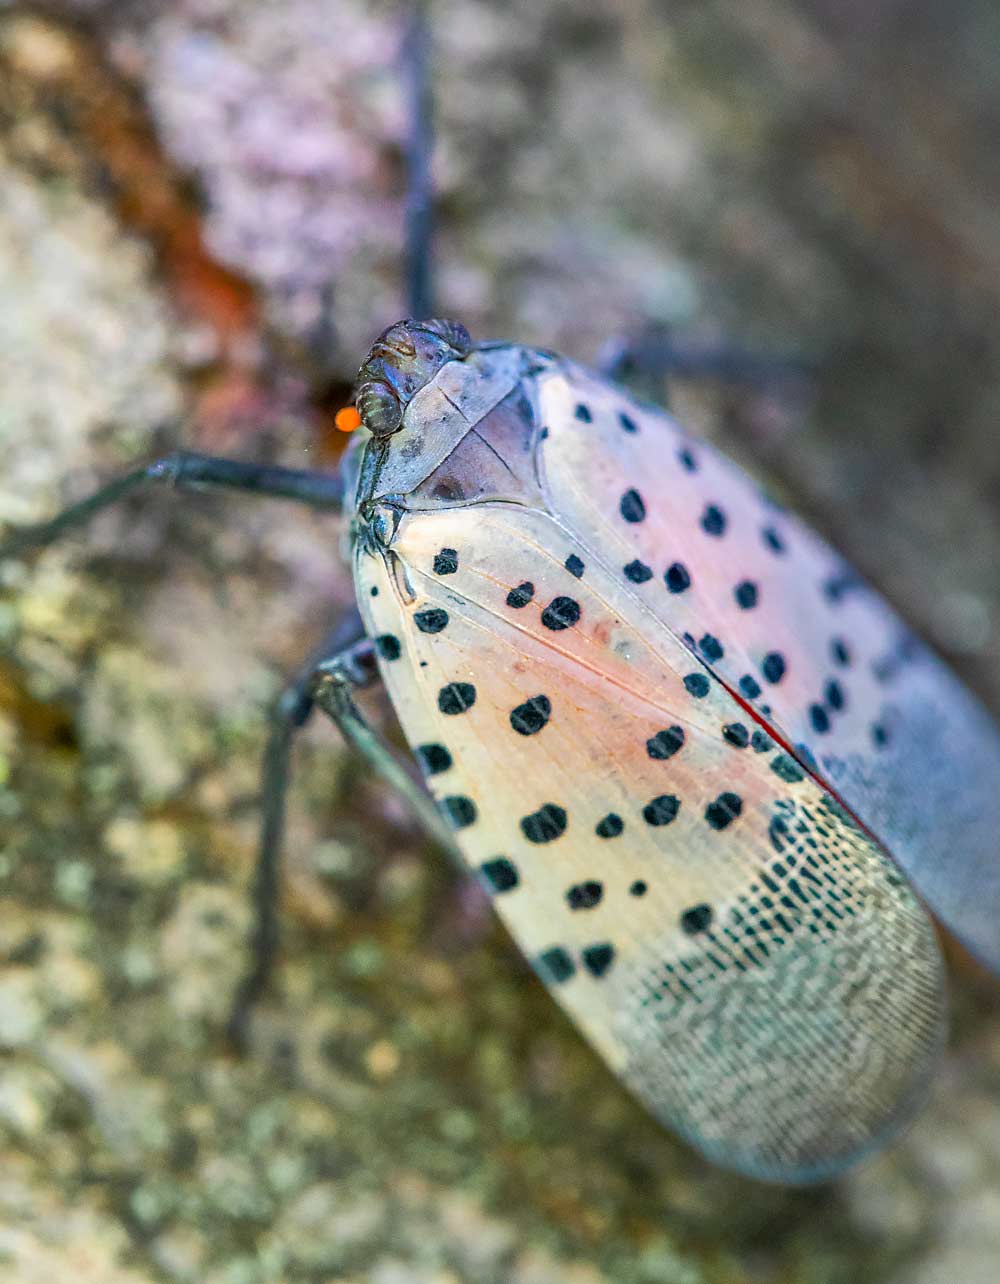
(352,655)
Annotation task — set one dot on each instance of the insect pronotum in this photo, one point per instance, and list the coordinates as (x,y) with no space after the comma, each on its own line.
(711,782)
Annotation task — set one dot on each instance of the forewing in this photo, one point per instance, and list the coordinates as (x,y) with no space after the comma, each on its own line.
(783,621)
(737,949)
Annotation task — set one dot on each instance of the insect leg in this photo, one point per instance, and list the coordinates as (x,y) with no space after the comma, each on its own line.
(325,681)
(184,469)
(419,189)
(658,353)
(331,691)
(291,712)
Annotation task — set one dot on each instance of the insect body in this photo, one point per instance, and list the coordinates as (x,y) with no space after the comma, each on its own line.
(671,733)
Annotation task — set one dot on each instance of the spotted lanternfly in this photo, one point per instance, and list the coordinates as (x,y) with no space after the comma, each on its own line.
(707,775)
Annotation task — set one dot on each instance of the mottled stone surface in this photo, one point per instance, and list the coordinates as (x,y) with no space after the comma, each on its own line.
(199,220)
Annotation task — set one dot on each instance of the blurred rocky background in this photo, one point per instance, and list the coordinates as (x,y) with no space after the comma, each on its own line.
(200,232)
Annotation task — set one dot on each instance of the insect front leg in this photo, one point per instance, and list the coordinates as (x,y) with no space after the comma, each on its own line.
(183,470)
(332,687)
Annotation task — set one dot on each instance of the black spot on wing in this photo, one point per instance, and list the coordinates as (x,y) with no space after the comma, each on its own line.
(631,506)
(610,826)
(574,565)
(446,562)
(460,810)
(750,686)
(638,572)
(545,824)
(555,965)
(433,759)
(661,810)
(456,697)
(665,743)
(388,647)
(677,578)
(521,595)
(711,648)
(747,595)
(500,874)
(713,520)
(432,620)
(598,958)
(584,895)
(531,716)
(726,808)
(561,613)
(697,919)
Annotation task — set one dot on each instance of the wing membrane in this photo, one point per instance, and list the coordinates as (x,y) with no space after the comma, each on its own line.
(739,951)
(780,618)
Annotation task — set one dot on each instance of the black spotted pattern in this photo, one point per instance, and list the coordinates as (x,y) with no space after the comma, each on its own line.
(598,958)
(555,965)
(631,506)
(726,808)
(713,520)
(677,578)
(610,826)
(697,685)
(627,422)
(819,718)
(786,769)
(737,734)
(388,647)
(456,697)
(584,895)
(582,413)
(433,759)
(460,810)
(500,873)
(432,620)
(711,648)
(835,697)
(747,595)
(545,824)
(521,595)
(638,572)
(661,810)
(750,686)
(697,919)
(561,613)
(639,888)
(529,718)
(665,743)
(773,540)
(773,666)
(574,565)
(446,562)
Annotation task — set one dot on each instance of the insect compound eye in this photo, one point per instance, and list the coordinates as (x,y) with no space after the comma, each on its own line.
(453,333)
(379,408)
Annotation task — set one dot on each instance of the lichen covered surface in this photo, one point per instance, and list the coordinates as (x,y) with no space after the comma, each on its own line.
(414,1108)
